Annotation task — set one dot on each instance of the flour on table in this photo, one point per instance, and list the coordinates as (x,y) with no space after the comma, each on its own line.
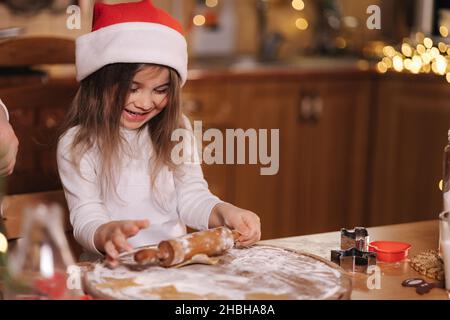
(258,272)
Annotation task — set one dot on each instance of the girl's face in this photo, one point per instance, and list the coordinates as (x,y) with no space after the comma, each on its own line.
(148,96)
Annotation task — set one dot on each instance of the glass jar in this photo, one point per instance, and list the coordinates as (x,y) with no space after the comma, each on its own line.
(37,267)
(444,245)
(446,178)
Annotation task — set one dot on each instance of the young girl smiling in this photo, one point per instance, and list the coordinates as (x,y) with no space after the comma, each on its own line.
(114,157)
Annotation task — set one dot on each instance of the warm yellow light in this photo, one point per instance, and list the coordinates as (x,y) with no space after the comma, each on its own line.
(406,50)
(351,21)
(416,64)
(301,23)
(442,47)
(426,68)
(398,63)
(421,49)
(441,185)
(341,43)
(443,30)
(426,57)
(199,20)
(428,43)
(434,67)
(407,63)
(441,65)
(388,62)
(389,51)
(3,243)
(434,52)
(211,3)
(448,77)
(298,5)
(382,67)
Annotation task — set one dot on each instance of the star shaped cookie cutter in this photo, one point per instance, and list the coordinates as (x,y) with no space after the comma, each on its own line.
(354,260)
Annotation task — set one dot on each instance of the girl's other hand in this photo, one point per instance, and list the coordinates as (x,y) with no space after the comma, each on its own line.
(244,221)
(111,238)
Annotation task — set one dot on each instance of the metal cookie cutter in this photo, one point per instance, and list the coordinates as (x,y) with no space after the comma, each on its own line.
(355,238)
(354,260)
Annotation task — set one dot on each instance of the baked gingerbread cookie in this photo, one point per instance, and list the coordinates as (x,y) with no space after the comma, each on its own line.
(429,264)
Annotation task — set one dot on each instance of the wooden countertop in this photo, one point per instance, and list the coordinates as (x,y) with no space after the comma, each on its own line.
(257,72)
(421,235)
(264,72)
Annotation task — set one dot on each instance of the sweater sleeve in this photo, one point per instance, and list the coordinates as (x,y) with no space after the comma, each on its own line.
(2,105)
(195,201)
(82,191)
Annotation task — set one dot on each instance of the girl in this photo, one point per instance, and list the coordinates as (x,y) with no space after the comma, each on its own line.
(114,158)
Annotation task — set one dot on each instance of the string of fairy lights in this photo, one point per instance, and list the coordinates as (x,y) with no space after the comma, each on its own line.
(418,55)
(301,23)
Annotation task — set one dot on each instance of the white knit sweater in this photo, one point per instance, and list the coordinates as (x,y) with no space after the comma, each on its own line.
(176,202)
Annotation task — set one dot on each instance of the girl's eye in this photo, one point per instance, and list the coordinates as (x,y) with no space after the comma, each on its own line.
(162,91)
(134,90)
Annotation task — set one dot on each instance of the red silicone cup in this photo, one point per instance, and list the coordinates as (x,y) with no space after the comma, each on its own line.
(390,251)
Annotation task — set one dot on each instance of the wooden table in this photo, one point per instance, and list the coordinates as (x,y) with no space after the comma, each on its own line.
(421,235)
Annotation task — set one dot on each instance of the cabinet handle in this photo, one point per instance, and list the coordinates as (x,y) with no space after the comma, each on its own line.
(305,109)
(50,122)
(192,106)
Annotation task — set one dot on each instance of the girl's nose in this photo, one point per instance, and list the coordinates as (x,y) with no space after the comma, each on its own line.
(144,101)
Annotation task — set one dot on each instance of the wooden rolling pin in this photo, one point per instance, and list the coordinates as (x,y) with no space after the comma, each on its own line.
(169,253)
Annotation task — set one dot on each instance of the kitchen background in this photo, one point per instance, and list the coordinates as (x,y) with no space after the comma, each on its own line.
(363,114)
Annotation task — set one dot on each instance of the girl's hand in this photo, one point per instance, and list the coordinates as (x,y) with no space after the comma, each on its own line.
(111,238)
(245,222)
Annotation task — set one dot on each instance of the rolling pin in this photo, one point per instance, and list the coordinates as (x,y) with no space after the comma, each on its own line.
(169,253)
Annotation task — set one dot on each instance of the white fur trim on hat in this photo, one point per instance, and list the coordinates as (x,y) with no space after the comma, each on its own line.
(131,42)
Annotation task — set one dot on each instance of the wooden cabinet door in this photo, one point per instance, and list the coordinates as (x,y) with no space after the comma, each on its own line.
(263,105)
(209,102)
(330,155)
(321,181)
(413,117)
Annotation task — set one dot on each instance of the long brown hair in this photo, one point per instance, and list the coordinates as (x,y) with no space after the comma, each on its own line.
(97,109)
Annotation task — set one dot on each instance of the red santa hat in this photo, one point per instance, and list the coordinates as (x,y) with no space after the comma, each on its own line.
(135,32)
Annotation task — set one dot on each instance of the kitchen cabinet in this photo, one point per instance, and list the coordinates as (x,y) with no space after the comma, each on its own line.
(36,112)
(323,154)
(209,102)
(323,125)
(410,131)
(37,102)
(262,105)
(329,134)
(355,148)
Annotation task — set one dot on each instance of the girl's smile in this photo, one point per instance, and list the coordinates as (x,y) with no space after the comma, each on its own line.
(134,116)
